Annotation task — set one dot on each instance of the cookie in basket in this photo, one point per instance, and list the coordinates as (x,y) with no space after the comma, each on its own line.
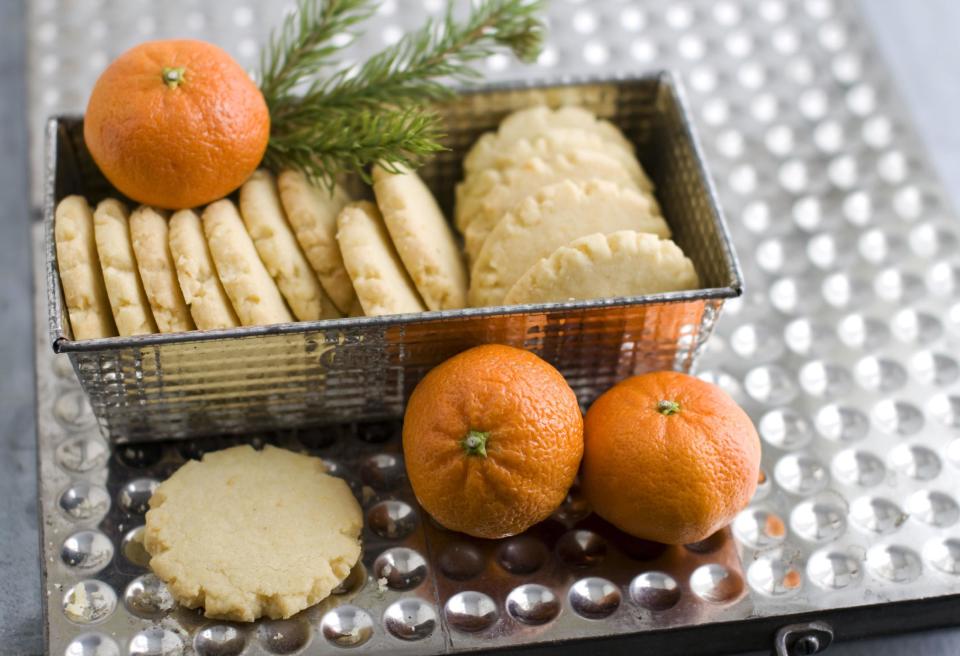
(378,276)
(83,288)
(534,121)
(128,300)
(248,534)
(312,212)
(422,237)
(149,230)
(252,292)
(625,263)
(490,151)
(279,251)
(496,192)
(202,291)
(549,219)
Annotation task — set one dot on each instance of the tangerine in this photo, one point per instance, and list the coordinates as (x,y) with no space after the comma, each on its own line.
(492,440)
(669,457)
(176,124)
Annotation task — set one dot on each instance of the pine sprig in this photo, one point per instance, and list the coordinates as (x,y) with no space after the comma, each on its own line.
(306,41)
(379,111)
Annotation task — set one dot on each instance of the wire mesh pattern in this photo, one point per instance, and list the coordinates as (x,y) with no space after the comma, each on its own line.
(843,350)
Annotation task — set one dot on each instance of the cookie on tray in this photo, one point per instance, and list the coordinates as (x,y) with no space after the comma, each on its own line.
(209,304)
(423,238)
(549,219)
(625,263)
(128,300)
(491,153)
(312,212)
(279,251)
(83,288)
(494,193)
(252,292)
(248,534)
(149,233)
(378,276)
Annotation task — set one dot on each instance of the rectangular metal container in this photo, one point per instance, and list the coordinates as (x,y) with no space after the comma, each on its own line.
(182,385)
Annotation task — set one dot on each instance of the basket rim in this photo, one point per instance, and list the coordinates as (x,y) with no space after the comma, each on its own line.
(62,343)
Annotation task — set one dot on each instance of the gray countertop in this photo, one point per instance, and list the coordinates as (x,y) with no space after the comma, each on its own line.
(919,42)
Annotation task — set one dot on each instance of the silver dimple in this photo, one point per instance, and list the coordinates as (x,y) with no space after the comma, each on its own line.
(147,596)
(87,551)
(157,641)
(759,528)
(402,567)
(877,515)
(533,603)
(84,501)
(818,521)
(800,474)
(897,417)
(347,626)
(410,619)
(82,454)
(470,611)
(392,519)
(915,461)
(656,591)
(135,496)
(933,507)
(131,546)
(834,570)
(594,598)
(943,554)
(774,577)
(895,563)
(220,640)
(716,583)
(89,602)
(285,636)
(857,467)
(92,644)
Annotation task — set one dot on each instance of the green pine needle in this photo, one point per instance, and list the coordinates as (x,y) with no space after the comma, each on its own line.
(379,111)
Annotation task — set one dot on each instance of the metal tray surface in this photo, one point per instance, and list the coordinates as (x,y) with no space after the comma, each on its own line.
(844,352)
(199,383)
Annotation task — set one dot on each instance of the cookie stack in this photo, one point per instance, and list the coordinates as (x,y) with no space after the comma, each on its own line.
(287,251)
(554,206)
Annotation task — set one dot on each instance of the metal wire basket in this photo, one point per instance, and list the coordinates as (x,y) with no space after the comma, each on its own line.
(196,383)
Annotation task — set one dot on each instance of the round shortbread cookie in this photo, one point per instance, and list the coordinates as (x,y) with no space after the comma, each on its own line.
(382,284)
(149,236)
(491,151)
(496,192)
(83,289)
(422,237)
(251,290)
(312,212)
(279,251)
(625,263)
(246,533)
(549,219)
(202,291)
(131,309)
(534,121)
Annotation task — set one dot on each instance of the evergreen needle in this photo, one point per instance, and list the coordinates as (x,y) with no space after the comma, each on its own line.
(378,111)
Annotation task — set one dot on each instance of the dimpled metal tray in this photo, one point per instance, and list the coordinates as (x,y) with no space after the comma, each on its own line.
(844,352)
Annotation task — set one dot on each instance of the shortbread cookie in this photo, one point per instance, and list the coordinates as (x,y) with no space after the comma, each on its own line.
(131,309)
(202,291)
(422,237)
(625,263)
(534,121)
(83,290)
(279,251)
(490,151)
(312,212)
(247,533)
(149,235)
(496,192)
(551,218)
(248,284)
(378,276)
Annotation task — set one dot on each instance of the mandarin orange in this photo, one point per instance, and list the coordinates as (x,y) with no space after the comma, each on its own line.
(176,124)
(492,440)
(669,457)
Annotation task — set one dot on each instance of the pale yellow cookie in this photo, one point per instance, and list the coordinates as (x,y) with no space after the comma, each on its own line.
(202,291)
(248,284)
(534,121)
(279,251)
(131,309)
(149,235)
(493,151)
(378,276)
(549,219)
(422,237)
(83,290)
(312,212)
(246,533)
(495,192)
(625,263)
